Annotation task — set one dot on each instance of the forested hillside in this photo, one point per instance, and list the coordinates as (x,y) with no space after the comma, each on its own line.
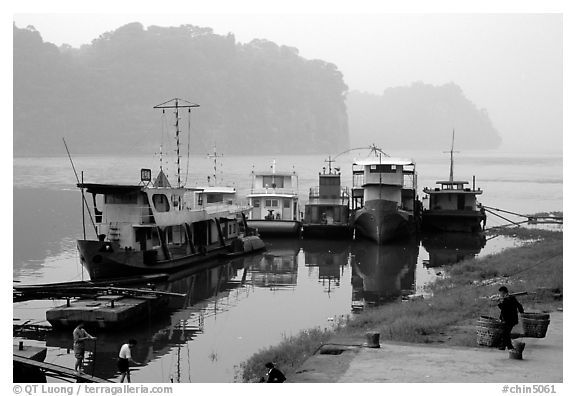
(255,98)
(420,116)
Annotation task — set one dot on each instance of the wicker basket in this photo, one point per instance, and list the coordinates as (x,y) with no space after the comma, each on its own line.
(535,315)
(488,331)
(532,327)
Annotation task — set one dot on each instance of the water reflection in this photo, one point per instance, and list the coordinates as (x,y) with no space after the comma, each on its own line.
(277,268)
(451,247)
(382,273)
(329,258)
(219,322)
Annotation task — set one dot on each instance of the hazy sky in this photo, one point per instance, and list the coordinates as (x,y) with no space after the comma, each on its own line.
(509,64)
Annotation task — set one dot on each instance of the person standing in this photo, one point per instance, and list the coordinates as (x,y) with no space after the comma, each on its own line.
(509,308)
(124,359)
(80,335)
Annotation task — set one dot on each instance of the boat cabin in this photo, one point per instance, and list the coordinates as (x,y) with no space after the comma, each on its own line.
(388,178)
(328,203)
(162,218)
(274,196)
(452,195)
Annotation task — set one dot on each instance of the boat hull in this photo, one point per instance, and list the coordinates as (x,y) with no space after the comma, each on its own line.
(276,227)
(381,221)
(103,260)
(452,220)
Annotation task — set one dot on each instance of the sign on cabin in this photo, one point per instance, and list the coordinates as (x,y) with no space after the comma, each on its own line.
(145,175)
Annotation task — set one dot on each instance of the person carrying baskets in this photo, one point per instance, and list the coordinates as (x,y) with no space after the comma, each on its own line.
(509,308)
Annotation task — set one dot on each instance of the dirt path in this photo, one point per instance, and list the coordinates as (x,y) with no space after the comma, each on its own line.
(411,363)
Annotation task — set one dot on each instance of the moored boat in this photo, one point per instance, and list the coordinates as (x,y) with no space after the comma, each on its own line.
(153,227)
(327,213)
(384,197)
(274,199)
(453,206)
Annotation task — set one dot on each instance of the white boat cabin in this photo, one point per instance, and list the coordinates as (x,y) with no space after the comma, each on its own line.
(274,196)
(145,217)
(390,179)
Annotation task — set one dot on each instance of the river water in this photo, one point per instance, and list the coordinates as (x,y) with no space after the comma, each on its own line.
(243,305)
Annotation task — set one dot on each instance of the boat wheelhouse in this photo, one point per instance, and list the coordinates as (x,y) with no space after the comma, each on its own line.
(453,205)
(327,213)
(384,197)
(153,227)
(274,199)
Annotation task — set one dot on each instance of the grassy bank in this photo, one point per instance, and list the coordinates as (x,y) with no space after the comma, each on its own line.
(449,315)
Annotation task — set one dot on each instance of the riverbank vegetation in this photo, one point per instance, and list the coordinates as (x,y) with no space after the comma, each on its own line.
(449,315)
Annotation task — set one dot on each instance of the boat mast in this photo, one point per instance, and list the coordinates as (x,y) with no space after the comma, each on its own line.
(452,158)
(176,105)
(329,160)
(215,156)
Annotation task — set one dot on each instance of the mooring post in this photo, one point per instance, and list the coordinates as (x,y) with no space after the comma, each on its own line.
(21,345)
(68,302)
(372,340)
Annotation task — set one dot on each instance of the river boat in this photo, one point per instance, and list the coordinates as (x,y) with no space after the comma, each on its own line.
(453,206)
(327,213)
(384,197)
(154,227)
(274,199)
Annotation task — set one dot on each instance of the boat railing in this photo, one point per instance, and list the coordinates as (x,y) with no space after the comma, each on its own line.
(235,205)
(342,199)
(274,191)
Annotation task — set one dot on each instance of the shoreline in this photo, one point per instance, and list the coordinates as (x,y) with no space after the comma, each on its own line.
(446,319)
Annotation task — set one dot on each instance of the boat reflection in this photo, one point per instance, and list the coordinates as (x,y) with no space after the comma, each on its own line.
(329,257)
(277,267)
(382,273)
(451,247)
(208,293)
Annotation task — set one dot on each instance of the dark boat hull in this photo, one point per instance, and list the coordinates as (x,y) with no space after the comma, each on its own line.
(381,221)
(103,260)
(276,227)
(452,220)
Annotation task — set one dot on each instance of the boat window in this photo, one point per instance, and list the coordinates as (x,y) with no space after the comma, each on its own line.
(131,198)
(256,203)
(383,168)
(329,181)
(271,202)
(214,197)
(161,203)
(273,181)
(287,204)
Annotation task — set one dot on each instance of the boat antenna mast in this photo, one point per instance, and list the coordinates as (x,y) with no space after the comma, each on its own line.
(452,158)
(215,157)
(177,104)
(329,161)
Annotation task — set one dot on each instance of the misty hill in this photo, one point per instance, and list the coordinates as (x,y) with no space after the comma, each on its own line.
(419,116)
(255,98)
